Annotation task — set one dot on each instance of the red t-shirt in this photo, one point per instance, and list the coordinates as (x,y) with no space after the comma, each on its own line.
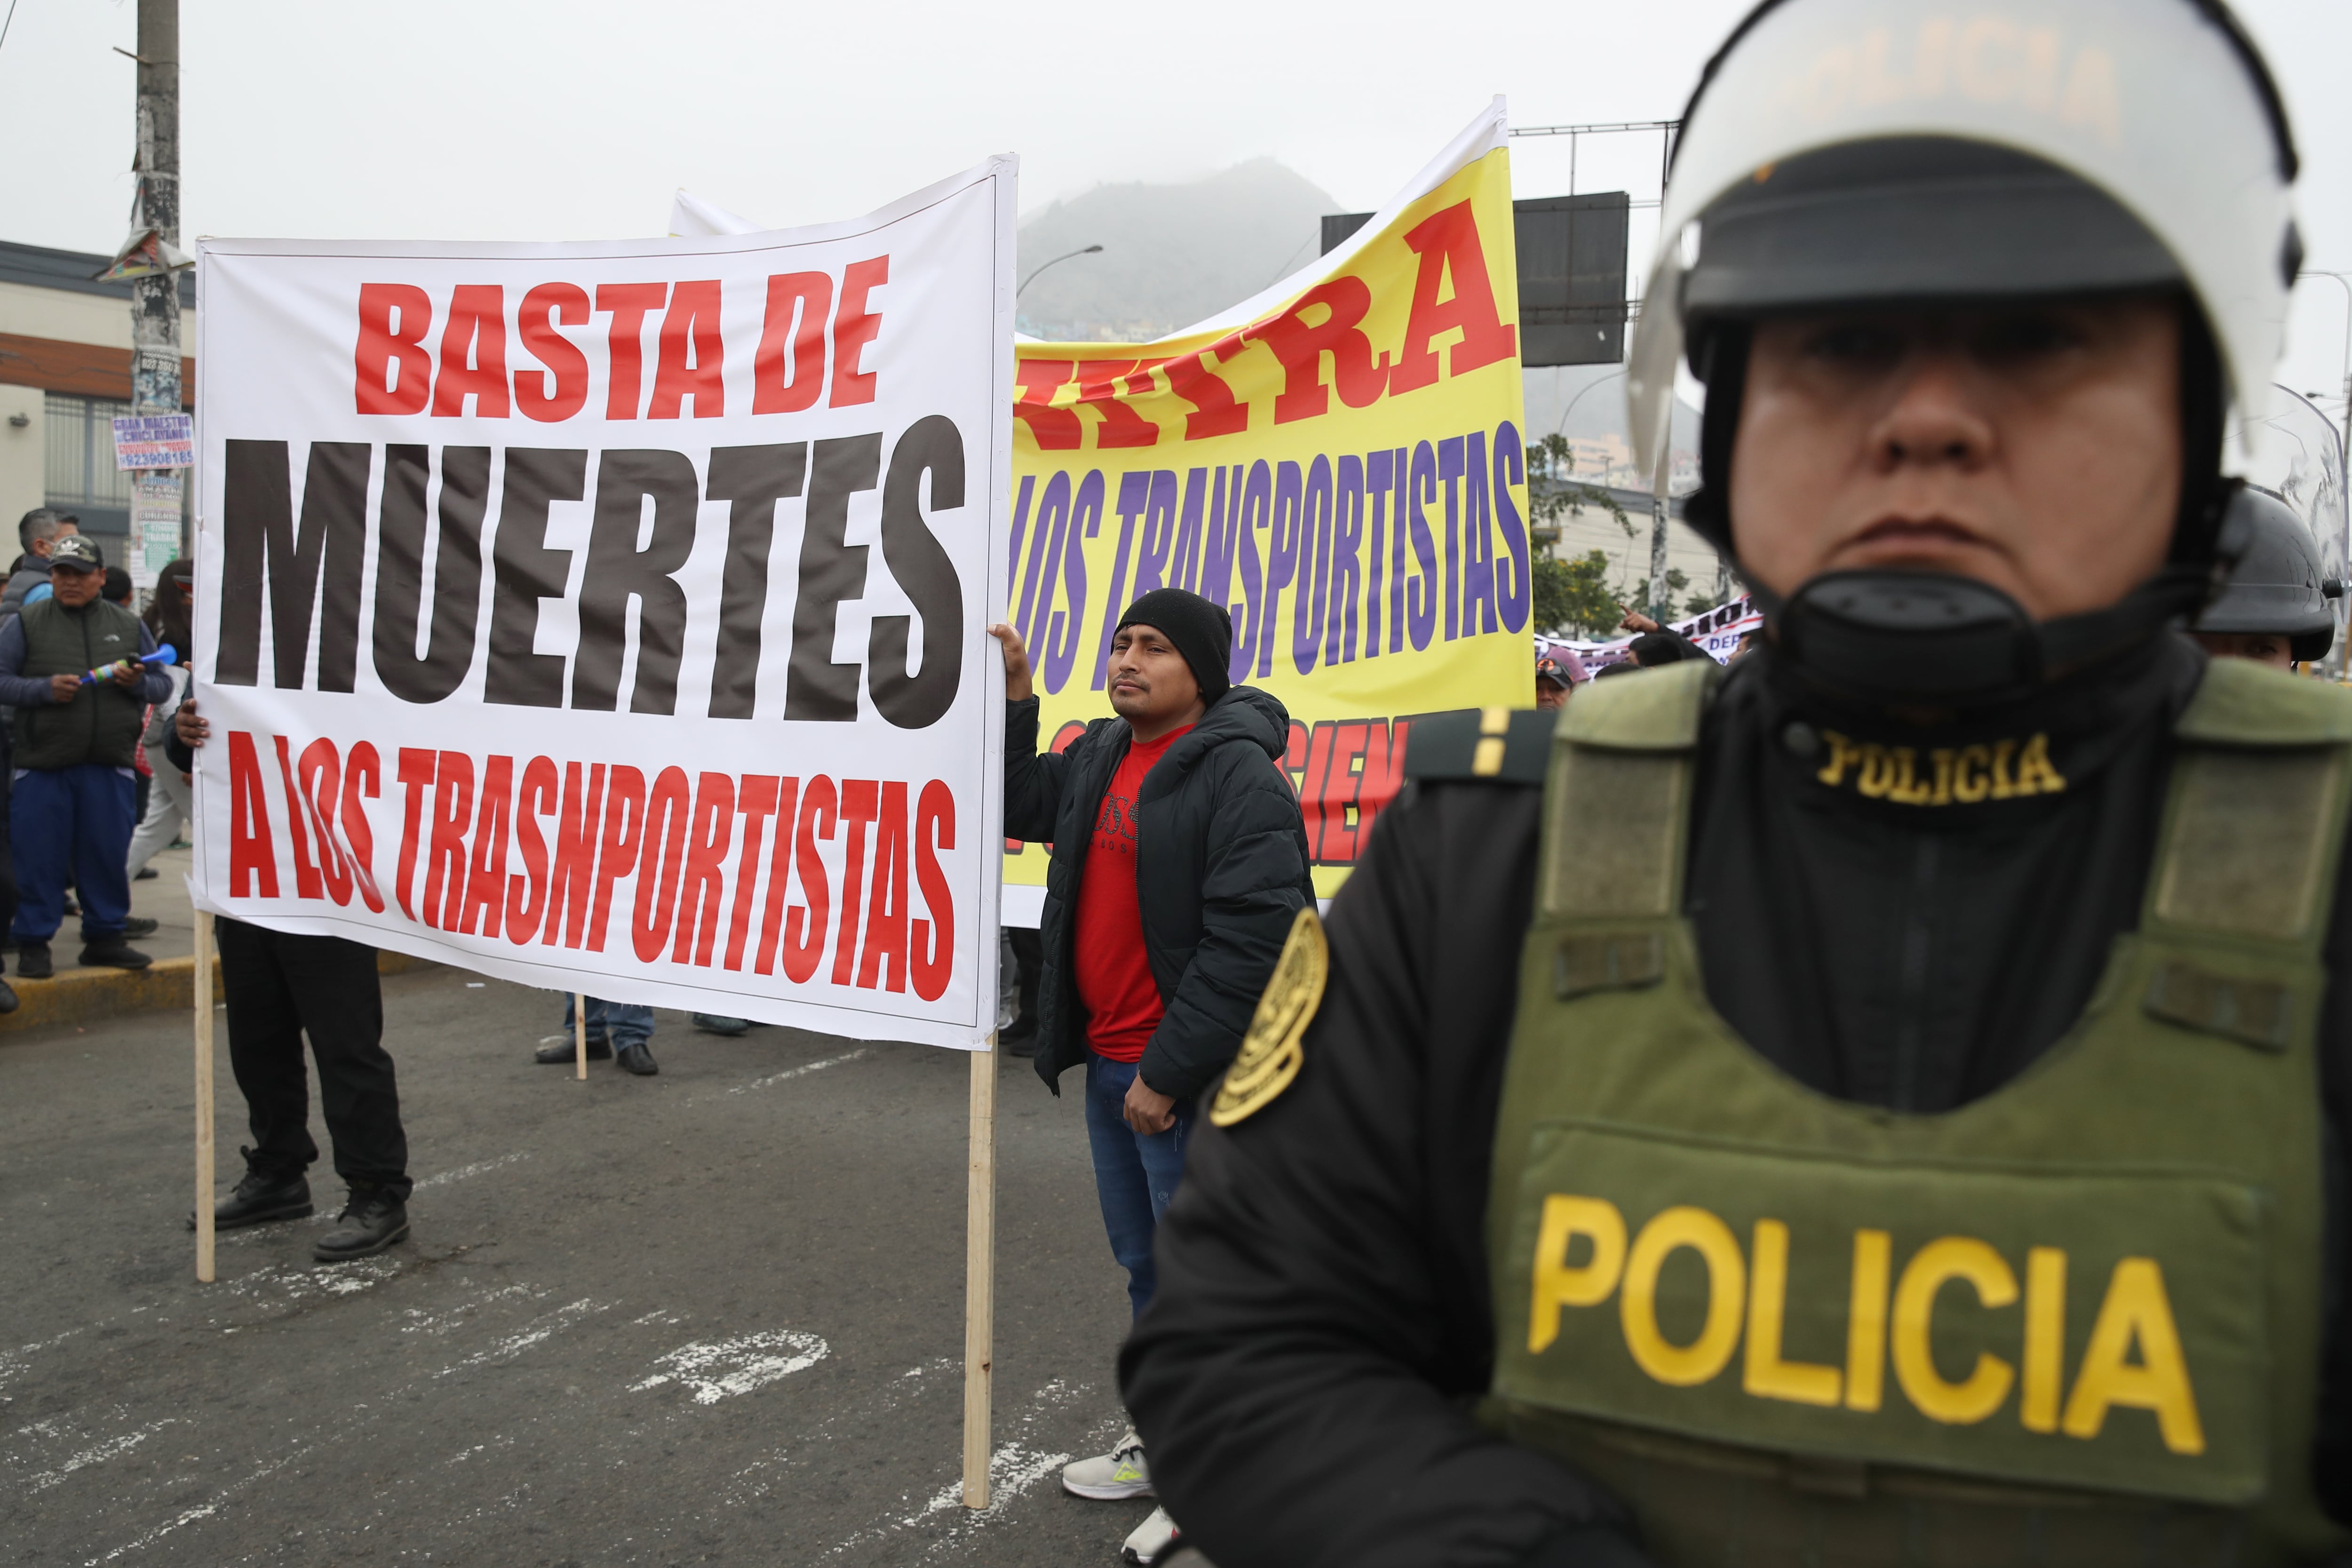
(1114,976)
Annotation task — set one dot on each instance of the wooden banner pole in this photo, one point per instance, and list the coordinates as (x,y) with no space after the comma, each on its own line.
(580,1033)
(980,1277)
(204,990)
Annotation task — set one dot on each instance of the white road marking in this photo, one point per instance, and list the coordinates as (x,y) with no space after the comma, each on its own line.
(1014,1470)
(424,1322)
(300,1284)
(513,1345)
(802,1070)
(97,1454)
(439,1178)
(203,1511)
(723,1368)
(15,1361)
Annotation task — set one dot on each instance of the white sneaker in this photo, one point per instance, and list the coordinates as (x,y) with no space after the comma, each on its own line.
(1151,1538)
(1121,1473)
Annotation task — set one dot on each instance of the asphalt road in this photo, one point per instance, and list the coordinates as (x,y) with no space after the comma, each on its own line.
(715,1316)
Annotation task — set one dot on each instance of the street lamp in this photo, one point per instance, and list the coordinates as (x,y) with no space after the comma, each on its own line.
(2347,283)
(1580,391)
(1089,250)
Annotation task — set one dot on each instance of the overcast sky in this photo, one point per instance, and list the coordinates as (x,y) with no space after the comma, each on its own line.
(488,119)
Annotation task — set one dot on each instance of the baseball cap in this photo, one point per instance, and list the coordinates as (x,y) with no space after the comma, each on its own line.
(75,551)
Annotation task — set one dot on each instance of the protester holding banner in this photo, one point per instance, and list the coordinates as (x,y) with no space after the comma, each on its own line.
(1180,862)
(1882,1102)
(281,987)
(1655,645)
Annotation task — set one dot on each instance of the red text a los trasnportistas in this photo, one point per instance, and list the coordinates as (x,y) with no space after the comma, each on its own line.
(697,847)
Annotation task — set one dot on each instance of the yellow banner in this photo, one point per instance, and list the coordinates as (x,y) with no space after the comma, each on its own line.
(1340,462)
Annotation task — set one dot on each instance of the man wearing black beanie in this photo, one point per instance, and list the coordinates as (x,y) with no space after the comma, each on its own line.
(1180,862)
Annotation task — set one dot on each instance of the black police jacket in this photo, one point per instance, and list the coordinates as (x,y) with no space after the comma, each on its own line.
(1304,1375)
(1221,872)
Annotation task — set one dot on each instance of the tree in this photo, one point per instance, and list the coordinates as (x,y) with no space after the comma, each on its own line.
(1553,497)
(1575,595)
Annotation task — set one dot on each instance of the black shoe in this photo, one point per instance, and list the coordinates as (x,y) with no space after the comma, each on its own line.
(712,1024)
(370,1221)
(72,908)
(260,1198)
(146,874)
(112,953)
(638,1059)
(139,925)
(33,961)
(7,998)
(564,1049)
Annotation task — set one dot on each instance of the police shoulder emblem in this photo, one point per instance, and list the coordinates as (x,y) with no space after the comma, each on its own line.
(1271,1051)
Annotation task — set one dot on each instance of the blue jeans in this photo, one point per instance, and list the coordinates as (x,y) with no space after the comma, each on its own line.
(1135,1176)
(74,821)
(625,1023)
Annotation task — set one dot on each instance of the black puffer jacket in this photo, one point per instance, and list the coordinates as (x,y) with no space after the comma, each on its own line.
(1221,872)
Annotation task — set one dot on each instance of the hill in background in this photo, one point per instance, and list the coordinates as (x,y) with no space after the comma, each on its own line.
(1172,254)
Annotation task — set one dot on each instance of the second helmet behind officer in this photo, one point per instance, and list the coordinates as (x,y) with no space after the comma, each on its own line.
(2276,608)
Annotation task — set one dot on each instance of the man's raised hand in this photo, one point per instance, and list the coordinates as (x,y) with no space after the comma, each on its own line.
(1017,686)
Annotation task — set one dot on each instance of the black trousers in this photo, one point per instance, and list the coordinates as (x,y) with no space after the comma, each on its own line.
(279,988)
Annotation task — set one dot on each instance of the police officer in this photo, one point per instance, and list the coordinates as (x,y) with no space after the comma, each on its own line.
(2274,609)
(1882,1102)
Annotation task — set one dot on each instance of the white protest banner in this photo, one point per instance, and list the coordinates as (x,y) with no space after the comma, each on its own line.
(609,617)
(1716,632)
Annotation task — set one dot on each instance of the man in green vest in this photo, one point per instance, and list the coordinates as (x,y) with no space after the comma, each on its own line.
(1885,1102)
(71,666)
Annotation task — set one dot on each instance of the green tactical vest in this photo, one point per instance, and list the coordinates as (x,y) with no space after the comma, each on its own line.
(2076,1321)
(101,723)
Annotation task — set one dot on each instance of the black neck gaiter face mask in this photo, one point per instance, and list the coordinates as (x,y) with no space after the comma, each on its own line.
(1907,912)
(1983,762)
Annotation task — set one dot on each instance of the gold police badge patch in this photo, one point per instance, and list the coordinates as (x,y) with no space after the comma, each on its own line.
(1270,1052)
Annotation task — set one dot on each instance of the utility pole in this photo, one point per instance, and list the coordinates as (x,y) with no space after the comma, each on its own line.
(156,506)
(1660,611)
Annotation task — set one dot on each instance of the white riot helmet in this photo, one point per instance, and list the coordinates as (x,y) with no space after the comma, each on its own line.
(1903,152)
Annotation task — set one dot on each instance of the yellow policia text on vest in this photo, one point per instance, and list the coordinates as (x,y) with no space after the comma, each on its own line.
(2133,1358)
(2091,1297)
(2002,770)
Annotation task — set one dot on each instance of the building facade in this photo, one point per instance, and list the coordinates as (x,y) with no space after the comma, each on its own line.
(65,374)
